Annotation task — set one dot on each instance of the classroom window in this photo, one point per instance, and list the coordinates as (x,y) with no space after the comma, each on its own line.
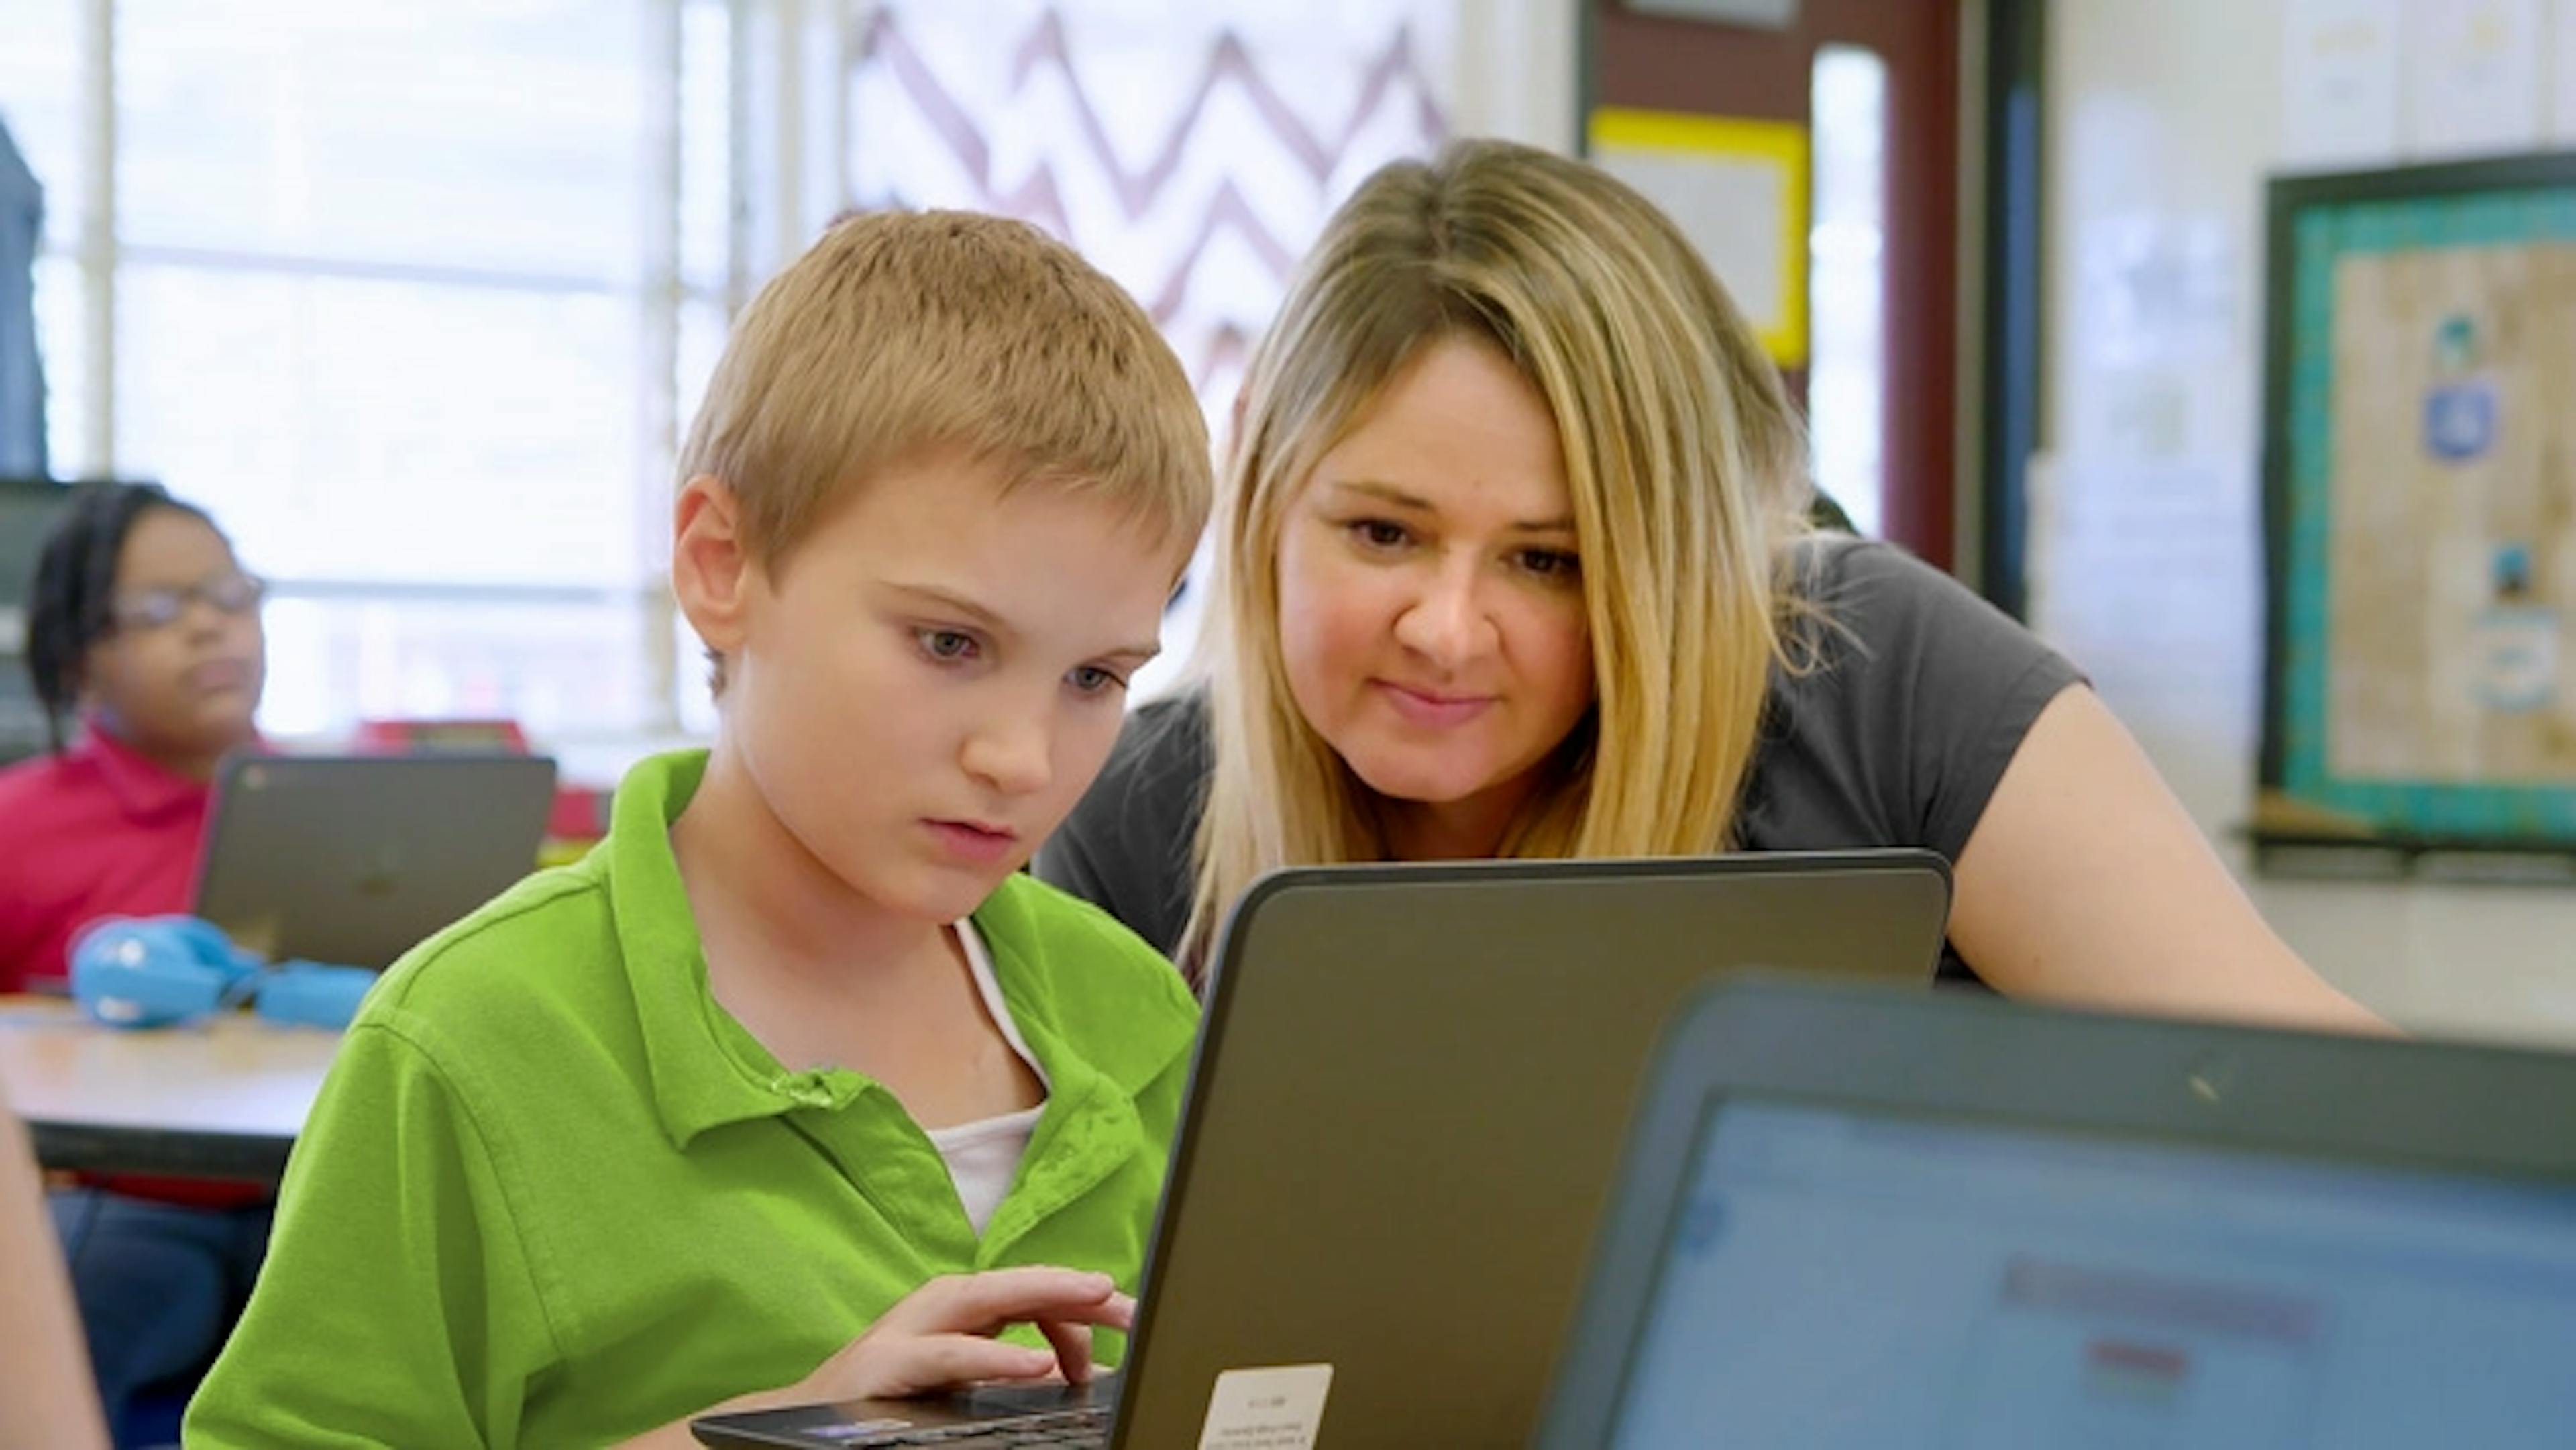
(414,298)
(417,298)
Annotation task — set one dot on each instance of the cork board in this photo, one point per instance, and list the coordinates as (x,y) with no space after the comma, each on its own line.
(2421,505)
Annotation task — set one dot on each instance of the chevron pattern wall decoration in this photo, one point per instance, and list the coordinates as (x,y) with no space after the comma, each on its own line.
(1190,150)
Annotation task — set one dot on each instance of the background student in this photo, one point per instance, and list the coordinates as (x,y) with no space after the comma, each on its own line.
(144,644)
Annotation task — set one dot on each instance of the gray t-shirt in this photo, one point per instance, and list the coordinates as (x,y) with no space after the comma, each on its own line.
(1896,737)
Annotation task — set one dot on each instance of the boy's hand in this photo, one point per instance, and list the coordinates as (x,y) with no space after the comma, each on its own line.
(940,1335)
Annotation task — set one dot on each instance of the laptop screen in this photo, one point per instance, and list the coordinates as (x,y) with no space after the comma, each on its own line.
(1845,1280)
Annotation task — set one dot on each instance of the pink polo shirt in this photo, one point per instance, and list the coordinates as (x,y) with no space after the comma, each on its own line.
(98,830)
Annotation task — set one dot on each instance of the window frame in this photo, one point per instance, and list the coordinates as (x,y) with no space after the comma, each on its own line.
(661,291)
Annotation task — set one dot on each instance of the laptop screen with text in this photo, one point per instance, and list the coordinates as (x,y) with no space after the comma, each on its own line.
(1845,1279)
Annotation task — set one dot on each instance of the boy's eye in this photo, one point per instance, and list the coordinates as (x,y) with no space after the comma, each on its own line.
(945,644)
(1093,680)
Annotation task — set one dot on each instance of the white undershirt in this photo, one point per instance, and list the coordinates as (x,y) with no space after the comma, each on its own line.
(983,1156)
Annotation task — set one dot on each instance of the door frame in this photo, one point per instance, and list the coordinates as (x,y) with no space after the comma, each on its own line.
(1987,418)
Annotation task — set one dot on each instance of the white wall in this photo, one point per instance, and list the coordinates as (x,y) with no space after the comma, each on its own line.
(2164,119)
(1516,71)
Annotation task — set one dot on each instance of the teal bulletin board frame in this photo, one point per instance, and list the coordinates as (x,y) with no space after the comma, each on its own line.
(2317,226)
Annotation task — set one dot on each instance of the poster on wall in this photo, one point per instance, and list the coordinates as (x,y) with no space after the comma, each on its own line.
(1738,190)
(2340,64)
(2420,491)
(2473,77)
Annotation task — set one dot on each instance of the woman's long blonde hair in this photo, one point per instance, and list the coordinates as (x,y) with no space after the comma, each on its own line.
(1685,460)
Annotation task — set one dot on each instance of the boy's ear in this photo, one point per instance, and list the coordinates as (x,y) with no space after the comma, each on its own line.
(711,572)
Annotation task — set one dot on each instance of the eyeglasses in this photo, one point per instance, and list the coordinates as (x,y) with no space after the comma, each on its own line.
(232,594)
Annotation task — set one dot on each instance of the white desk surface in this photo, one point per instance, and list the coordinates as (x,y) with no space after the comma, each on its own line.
(224,1098)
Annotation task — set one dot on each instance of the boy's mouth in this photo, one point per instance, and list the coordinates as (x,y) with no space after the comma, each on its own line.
(981,842)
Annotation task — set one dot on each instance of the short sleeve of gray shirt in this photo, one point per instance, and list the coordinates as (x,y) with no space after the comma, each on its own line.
(1917,696)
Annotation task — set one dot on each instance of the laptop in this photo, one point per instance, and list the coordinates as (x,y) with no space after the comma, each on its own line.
(1852,1218)
(356,859)
(1411,1087)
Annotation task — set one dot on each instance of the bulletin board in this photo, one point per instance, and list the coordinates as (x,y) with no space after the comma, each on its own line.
(2420,507)
(1738,190)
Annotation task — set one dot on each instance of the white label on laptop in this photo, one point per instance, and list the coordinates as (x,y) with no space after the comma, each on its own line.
(1267,1409)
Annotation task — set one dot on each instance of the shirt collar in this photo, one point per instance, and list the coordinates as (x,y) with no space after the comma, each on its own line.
(144,788)
(1130,1037)
(707,1068)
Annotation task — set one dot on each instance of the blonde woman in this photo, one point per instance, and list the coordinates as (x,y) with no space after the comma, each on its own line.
(1512,561)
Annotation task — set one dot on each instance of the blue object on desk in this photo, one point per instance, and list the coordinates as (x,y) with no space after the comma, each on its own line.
(313,994)
(161,971)
(157,971)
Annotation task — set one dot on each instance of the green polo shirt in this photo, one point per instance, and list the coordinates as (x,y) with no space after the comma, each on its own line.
(552,1194)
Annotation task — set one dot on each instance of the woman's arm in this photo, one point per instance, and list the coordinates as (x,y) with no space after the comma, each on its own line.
(2086,883)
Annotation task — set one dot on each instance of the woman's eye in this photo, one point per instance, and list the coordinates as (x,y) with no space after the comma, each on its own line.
(1092,680)
(1378,533)
(1551,563)
(945,644)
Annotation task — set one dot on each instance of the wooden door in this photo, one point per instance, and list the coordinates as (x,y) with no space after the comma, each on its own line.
(1654,62)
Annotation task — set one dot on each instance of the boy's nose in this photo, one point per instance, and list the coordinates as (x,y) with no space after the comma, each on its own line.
(1013,757)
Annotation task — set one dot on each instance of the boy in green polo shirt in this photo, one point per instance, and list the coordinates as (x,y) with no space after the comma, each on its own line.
(792,1090)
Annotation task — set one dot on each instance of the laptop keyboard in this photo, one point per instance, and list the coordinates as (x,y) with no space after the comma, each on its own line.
(1083,1429)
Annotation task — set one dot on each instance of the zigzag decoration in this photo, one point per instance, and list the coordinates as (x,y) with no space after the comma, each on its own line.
(1228,352)
(1039,197)
(1227,209)
(1046,43)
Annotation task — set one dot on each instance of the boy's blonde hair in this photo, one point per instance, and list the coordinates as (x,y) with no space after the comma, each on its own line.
(901,334)
(1685,462)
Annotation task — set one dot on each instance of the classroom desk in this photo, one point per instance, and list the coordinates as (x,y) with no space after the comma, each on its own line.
(223,1099)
